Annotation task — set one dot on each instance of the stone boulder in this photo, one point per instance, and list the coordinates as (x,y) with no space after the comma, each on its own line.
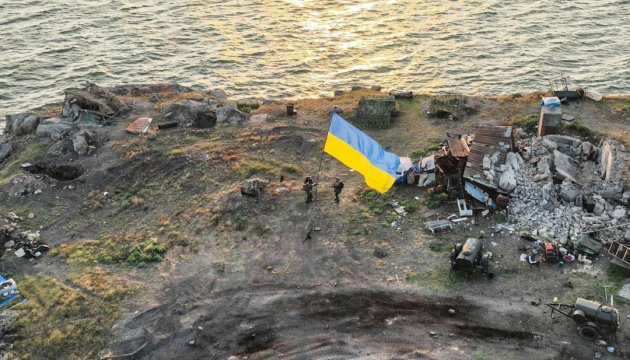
(21,124)
(507,181)
(219,94)
(5,150)
(253,187)
(191,112)
(81,142)
(229,114)
(55,131)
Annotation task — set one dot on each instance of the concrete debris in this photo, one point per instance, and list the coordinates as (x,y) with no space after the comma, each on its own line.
(507,181)
(592,179)
(624,292)
(564,166)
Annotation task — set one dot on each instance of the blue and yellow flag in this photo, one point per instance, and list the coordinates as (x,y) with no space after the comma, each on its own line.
(360,152)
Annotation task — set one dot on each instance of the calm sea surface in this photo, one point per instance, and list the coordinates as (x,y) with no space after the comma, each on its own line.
(307,48)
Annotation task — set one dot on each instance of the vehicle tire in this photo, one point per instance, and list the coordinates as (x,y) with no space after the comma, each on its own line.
(589,332)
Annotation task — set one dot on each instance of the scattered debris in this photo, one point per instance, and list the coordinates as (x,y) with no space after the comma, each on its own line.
(253,187)
(438,224)
(139,126)
(168,125)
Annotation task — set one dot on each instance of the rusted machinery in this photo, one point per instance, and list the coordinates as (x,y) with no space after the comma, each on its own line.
(470,256)
(592,318)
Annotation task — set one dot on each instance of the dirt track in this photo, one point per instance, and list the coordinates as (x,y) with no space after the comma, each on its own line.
(270,322)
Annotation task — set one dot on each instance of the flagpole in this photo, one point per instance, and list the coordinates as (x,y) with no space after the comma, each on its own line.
(319,169)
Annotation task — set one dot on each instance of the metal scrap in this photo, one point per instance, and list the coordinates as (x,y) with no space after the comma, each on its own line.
(141,125)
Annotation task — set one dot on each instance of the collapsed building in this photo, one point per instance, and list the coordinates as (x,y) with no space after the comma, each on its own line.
(559,188)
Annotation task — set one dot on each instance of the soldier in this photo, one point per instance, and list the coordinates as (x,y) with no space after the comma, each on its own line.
(338,186)
(308,188)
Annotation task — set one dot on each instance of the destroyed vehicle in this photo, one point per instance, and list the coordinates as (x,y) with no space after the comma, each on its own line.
(470,256)
(592,318)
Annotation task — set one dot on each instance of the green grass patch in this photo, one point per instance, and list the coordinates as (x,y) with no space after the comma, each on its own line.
(259,166)
(410,205)
(375,202)
(191,139)
(500,218)
(247,107)
(528,123)
(132,250)
(33,151)
(615,279)
(580,130)
(291,169)
(59,322)
(435,200)
(428,150)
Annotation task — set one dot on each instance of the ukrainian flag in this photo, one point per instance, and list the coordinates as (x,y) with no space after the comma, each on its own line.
(360,152)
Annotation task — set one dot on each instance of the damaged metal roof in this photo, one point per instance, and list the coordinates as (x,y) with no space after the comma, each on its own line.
(488,141)
(458,145)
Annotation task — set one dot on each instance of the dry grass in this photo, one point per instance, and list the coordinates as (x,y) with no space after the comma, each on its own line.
(59,322)
(101,283)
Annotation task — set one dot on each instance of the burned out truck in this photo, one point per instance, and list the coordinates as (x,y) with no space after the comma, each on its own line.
(470,256)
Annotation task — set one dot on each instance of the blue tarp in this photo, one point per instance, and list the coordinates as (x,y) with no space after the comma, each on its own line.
(553,101)
(10,297)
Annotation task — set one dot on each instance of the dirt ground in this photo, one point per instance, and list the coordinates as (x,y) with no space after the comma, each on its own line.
(273,277)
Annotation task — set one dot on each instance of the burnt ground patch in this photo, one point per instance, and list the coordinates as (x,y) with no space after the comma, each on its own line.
(271,321)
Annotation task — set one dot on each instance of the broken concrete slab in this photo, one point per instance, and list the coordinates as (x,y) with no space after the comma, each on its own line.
(564,166)
(507,181)
(514,160)
(624,292)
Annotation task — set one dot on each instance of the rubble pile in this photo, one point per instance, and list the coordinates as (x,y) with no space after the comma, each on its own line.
(23,243)
(567,186)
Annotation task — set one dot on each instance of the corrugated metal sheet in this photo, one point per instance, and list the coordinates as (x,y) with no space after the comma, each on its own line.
(488,141)
(457,145)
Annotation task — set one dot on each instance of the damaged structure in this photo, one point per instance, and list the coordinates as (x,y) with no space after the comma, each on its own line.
(555,187)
